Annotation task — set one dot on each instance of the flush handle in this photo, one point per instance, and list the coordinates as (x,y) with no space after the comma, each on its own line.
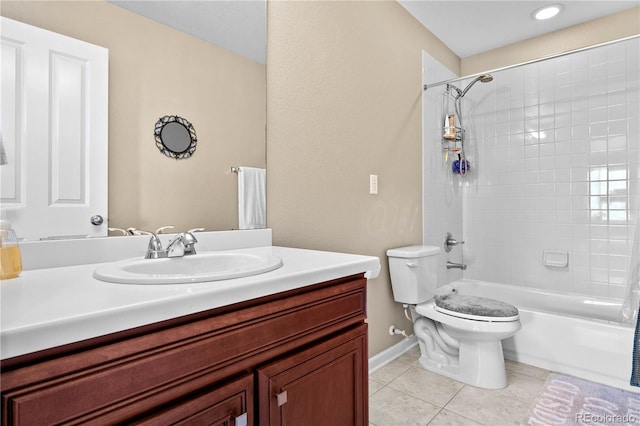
(412,264)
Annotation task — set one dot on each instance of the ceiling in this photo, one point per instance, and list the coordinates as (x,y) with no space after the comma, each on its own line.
(472,27)
(467,27)
(236,25)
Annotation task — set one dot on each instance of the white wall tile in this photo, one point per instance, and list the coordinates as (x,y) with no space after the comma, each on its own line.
(555,149)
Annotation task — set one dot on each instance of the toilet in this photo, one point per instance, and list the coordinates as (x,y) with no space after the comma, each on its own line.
(459,336)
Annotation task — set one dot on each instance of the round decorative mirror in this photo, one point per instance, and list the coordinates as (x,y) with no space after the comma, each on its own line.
(175,137)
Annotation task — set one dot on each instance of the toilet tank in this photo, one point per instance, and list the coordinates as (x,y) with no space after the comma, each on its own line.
(414,273)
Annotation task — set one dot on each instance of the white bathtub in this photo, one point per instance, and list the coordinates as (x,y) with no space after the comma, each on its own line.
(566,333)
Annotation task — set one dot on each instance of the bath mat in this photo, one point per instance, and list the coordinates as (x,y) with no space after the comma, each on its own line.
(567,400)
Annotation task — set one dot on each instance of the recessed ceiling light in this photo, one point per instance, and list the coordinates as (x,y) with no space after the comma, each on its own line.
(547,12)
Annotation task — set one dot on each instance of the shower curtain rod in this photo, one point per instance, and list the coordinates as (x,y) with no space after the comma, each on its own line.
(533,61)
(455,80)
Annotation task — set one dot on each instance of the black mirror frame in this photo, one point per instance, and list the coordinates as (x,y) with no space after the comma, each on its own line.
(163,121)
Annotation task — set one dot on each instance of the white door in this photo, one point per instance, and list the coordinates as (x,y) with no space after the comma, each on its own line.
(54,132)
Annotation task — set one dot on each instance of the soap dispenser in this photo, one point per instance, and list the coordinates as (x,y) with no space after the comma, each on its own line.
(10,259)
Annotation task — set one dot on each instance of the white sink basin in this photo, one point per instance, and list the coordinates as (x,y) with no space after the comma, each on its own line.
(206,266)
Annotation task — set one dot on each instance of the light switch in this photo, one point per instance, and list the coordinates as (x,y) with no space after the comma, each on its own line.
(373,184)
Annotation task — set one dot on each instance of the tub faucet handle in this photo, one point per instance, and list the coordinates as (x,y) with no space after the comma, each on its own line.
(450,242)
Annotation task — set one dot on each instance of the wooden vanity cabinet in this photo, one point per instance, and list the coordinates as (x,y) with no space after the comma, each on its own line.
(296,358)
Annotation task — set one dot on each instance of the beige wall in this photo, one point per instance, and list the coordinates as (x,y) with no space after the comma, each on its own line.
(156,71)
(344,91)
(608,28)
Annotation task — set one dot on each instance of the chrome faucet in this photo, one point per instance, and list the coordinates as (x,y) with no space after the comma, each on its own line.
(453,265)
(175,248)
(182,244)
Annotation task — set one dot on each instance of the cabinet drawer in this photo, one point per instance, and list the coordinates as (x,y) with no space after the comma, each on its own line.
(126,379)
(218,406)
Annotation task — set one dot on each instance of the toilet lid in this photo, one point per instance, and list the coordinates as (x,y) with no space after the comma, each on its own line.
(476,308)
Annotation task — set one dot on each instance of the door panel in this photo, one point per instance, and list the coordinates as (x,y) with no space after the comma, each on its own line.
(54,130)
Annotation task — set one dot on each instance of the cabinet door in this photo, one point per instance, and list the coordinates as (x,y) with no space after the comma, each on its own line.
(323,385)
(228,405)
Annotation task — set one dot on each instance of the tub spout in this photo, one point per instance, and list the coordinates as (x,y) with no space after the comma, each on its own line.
(452,265)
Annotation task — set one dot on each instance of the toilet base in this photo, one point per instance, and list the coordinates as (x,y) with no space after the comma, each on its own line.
(472,358)
(480,364)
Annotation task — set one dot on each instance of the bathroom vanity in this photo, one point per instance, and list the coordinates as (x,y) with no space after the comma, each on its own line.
(285,347)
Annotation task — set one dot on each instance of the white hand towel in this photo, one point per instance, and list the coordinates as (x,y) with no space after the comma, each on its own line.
(252,199)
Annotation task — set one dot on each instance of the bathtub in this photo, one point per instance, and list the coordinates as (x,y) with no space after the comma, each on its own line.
(566,333)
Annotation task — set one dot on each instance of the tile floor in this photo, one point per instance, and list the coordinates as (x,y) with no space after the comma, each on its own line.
(403,394)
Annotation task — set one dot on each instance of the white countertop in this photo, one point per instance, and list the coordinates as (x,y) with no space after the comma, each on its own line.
(45,308)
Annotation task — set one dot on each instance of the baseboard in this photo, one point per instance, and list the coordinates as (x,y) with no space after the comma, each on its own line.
(385,357)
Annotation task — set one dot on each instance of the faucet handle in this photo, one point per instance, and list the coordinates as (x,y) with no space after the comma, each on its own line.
(124,232)
(154,250)
(164,228)
(190,240)
(450,242)
(136,231)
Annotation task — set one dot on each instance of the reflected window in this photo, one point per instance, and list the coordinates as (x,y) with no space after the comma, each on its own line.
(608,194)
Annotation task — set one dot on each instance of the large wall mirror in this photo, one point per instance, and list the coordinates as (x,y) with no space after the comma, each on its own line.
(204,60)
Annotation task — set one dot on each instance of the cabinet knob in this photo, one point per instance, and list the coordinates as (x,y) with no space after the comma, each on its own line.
(282,398)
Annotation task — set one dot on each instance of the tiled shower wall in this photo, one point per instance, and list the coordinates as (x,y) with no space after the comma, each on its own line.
(555,155)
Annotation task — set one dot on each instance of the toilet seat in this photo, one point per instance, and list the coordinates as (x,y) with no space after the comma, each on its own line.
(475,308)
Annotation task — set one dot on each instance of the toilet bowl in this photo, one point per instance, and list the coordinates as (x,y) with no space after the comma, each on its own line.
(459,336)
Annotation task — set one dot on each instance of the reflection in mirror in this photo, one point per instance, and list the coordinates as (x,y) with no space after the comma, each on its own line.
(175,137)
(222,91)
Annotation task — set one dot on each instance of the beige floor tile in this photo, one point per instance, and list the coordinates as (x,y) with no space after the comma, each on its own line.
(389,407)
(374,387)
(522,387)
(411,355)
(427,386)
(392,370)
(447,418)
(488,407)
(529,370)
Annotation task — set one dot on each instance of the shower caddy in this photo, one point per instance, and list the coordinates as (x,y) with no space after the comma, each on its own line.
(453,133)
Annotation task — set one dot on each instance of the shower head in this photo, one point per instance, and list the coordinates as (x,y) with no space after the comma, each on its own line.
(484,78)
